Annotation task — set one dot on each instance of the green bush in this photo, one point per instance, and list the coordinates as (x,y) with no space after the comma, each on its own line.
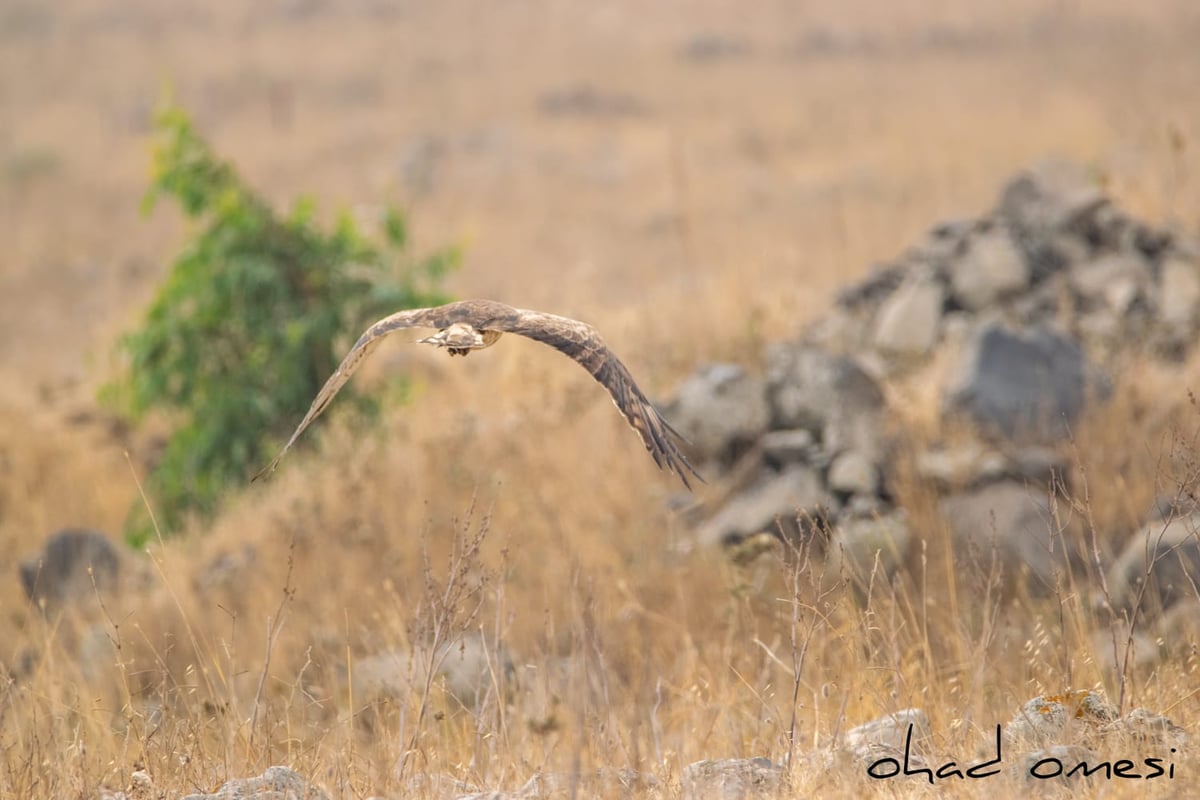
(256,312)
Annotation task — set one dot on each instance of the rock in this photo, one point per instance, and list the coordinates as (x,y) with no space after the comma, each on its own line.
(852,472)
(1046,720)
(879,284)
(776,499)
(276,783)
(732,779)
(780,448)
(1170,504)
(1179,294)
(721,409)
(228,570)
(1113,281)
(1028,387)
(468,667)
(1168,552)
(890,730)
(970,463)
(546,785)
(858,543)
(1145,727)
(909,320)
(1057,215)
(1009,521)
(74,564)
(1052,197)
(991,268)
(1144,649)
(829,395)
(953,466)
(1179,628)
(1039,465)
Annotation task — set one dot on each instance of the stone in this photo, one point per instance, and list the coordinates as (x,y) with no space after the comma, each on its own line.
(992,268)
(1146,727)
(1167,554)
(720,409)
(890,730)
(853,472)
(1143,650)
(74,564)
(1054,195)
(276,783)
(857,544)
(1179,294)
(468,667)
(1113,281)
(780,448)
(1047,719)
(909,320)
(1026,386)
(732,779)
(1012,522)
(828,395)
(774,499)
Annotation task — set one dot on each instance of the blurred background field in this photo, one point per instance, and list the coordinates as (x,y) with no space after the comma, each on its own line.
(695,179)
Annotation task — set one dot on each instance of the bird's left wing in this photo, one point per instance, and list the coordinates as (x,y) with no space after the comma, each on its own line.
(582,342)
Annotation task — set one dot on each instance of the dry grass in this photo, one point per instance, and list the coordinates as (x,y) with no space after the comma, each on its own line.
(508,500)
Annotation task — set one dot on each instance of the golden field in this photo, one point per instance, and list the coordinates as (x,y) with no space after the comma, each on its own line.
(692,208)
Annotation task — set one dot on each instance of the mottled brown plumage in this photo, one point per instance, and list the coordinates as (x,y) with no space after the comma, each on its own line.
(475,324)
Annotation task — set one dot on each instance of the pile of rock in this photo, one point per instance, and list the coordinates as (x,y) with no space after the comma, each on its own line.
(1023,305)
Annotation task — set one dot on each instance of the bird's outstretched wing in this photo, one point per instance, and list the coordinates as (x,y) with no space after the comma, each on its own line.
(573,338)
(582,343)
(410,318)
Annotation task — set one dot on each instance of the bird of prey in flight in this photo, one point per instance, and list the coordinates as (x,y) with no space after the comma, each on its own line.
(475,324)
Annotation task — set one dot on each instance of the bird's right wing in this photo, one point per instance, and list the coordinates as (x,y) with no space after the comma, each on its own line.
(411,318)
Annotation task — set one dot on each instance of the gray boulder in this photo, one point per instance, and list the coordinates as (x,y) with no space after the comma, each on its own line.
(1167,554)
(732,779)
(1179,293)
(1052,195)
(1011,522)
(788,447)
(784,498)
(829,395)
(467,667)
(858,543)
(1054,719)
(992,268)
(891,731)
(1028,387)
(1113,282)
(74,564)
(721,409)
(276,783)
(853,472)
(909,320)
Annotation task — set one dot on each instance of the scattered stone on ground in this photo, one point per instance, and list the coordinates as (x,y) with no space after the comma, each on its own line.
(732,779)
(1165,557)
(276,783)
(75,564)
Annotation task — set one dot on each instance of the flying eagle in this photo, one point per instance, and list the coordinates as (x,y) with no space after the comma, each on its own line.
(475,324)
